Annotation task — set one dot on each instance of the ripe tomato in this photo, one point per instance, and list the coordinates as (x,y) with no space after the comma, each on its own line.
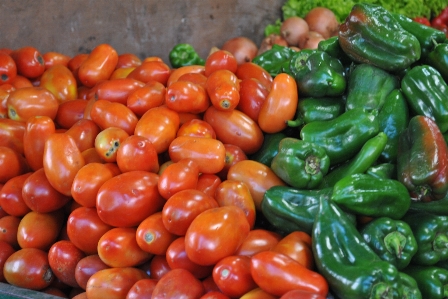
(25,102)
(220,60)
(182,207)
(152,236)
(11,134)
(11,199)
(223,88)
(258,240)
(214,295)
(8,68)
(250,70)
(151,71)
(63,257)
(5,252)
(234,154)
(86,267)
(258,293)
(70,112)
(55,58)
(31,263)
(29,61)
(137,153)
(37,131)
(301,294)
(142,289)
(207,183)
(9,226)
(3,99)
(117,90)
(98,65)
(215,234)
(127,199)
(12,164)
(177,73)
(177,176)
(151,95)
(252,96)
(197,78)
(61,82)
(233,275)
(158,267)
(297,245)
(108,114)
(178,283)
(196,128)
(185,96)
(108,141)
(84,132)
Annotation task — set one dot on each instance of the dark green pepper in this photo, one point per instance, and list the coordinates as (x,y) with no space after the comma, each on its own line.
(427,94)
(317,109)
(343,136)
(353,270)
(391,239)
(318,74)
(383,171)
(365,195)
(437,207)
(332,47)
(275,60)
(183,55)
(300,164)
(268,149)
(370,34)
(368,87)
(422,164)
(431,233)
(438,59)
(431,280)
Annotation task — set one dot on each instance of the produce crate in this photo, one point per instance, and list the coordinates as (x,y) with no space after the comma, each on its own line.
(8,291)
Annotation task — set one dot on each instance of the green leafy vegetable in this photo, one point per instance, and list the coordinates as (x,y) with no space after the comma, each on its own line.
(273,28)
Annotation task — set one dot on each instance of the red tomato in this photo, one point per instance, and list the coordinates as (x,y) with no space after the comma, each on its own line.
(250,70)
(158,267)
(258,240)
(196,128)
(11,134)
(5,252)
(108,141)
(177,176)
(39,230)
(55,58)
(128,198)
(84,222)
(177,258)
(234,154)
(142,289)
(120,73)
(108,114)
(75,62)
(11,199)
(252,96)
(38,129)
(8,68)
(84,132)
(151,71)
(235,127)
(152,236)
(88,181)
(233,275)
(159,125)
(9,226)
(62,159)
(214,295)
(113,283)
(3,106)
(185,96)
(117,90)
(208,183)
(297,245)
(268,268)
(280,104)
(178,283)
(197,78)
(126,60)
(177,73)
(63,257)
(29,61)
(223,88)
(61,82)
(215,234)
(293,294)
(31,263)
(258,293)
(220,60)
(26,102)
(21,82)
(151,95)
(183,207)
(137,153)
(12,164)
(70,112)
(210,284)
(86,267)
(90,155)
(98,66)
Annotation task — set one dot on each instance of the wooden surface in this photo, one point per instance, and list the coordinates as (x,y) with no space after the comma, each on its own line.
(142,27)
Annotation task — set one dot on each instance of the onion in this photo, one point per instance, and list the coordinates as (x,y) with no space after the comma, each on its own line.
(294,30)
(322,20)
(243,48)
(312,40)
(269,41)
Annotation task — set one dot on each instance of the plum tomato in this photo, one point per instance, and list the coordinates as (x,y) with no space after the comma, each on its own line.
(220,60)
(223,88)
(38,129)
(11,198)
(178,283)
(8,68)
(29,61)
(137,153)
(258,240)
(63,256)
(98,65)
(152,236)
(86,267)
(61,82)
(108,141)
(177,176)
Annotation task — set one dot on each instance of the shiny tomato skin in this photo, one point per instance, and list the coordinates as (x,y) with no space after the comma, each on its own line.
(31,263)
(113,283)
(20,82)
(63,256)
(6,250)
(208,183)
(9,226)
(121,73)
(29,61)
(108,141)
(258,293)
(126,60)
(215,234)
(108,114)
(38,129)
(90,155)
(55,58)
(70,112)
(182,207)
(40,196)
(98,65)
(258,240)
(151,95)
(252,96)
(8,68)
(142,289)
(250,70)
(61,161)
(196,128)
(128,198)
(152,236)
(233,276)
(11,134)
(11,199)
(12,164)
(234,154)
(61,82)
(84,132)
(84,222)
(117,90)
(178,283)
(297,245)
(197,78)
(177,176)
(220,60)
(185,96)
(86,267)
(235,127)
(151,71)
(75,62)
(177,73)
(137,153)
(301,294)
(210,284)
(223,88)
(158,267)
(214,295)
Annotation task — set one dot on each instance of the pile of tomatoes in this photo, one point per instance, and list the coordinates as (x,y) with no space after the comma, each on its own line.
(125,178)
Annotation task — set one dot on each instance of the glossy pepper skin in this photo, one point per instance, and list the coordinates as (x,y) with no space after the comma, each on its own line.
(431,280)
(365,195)
(368,87)
(383,171)
(318,74)
(422,164)
(300,164)
(183,55)
(353,270)
(343,136)
(370,34)
(269,148)
(275,60)
(317,109)
(438,59)
(431,233)
(391,239)
(437,207)
(332,47)
(427,94)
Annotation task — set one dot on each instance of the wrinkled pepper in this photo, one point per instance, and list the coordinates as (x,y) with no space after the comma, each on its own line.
(391,239)
(438,59)
(370,34)
(431,233)
(343,136)
(269,148)
(368,87)
(184,54)
(275,60)
(317,73)
(300,164)
(383,171)
(431,280)
(353,270)
(365,195)
(422,164)
(427,94)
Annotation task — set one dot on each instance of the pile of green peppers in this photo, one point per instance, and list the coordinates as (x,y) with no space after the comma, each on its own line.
(366,160)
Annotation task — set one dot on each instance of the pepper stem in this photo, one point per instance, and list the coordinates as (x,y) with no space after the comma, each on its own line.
(380,290)
(440,242)
(312,165)
(395,242)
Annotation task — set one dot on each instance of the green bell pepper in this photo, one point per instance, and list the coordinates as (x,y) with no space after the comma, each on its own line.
(275,60)
(353,270)
(437,207)
(422,164)
(427,94)
(368,87)
(365,195)
(431,280)
(300,164)
(317,74)
(268,149)
(183,55)
(383,171)
(431,233)
(391,239)
(438,59)
(343,136)
(332,47)
(370,34)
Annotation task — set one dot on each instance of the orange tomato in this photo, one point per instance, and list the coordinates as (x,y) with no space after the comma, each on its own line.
(223,89)
(99,65)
